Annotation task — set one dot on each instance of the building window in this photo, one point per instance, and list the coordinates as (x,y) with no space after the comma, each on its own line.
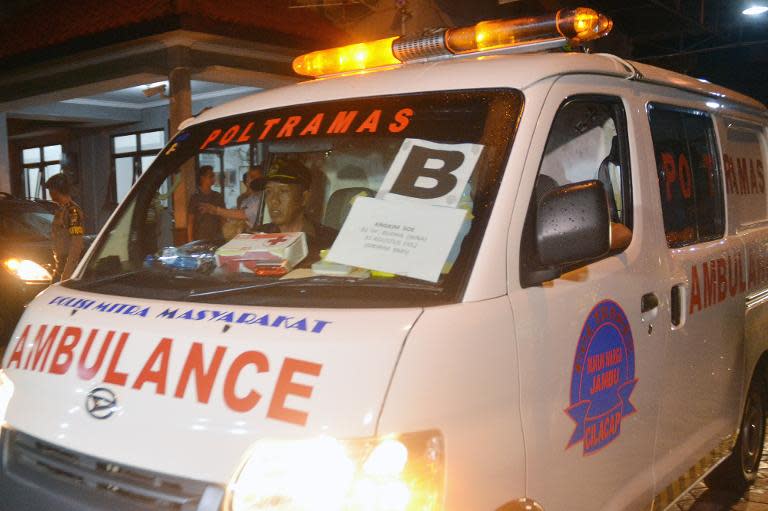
(132,153)
(38,164)
(230,164)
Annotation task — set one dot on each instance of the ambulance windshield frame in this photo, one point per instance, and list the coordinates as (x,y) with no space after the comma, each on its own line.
(324,137)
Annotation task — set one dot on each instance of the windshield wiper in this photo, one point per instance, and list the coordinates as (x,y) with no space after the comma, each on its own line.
(161,272)
(320,281)
(231,290)
(109,278)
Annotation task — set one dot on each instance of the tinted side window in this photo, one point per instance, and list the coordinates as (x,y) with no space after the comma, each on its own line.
(689,175)
(744,147)
(588,140)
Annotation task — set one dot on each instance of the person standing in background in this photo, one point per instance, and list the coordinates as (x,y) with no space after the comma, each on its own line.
(248,203)
(254,187)
(202,225)
(67,228)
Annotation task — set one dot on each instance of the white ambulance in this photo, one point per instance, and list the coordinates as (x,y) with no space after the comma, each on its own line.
(522,278)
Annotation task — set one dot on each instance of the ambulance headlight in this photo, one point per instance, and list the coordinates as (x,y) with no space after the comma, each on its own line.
(393,473)
(6,391)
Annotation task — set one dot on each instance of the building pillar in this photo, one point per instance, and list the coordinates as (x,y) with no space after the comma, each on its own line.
(180,109)
(5,160)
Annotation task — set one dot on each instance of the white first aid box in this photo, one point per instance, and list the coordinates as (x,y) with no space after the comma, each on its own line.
(247,252)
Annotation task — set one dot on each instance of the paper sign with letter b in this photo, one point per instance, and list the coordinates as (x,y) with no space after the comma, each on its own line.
(429,173)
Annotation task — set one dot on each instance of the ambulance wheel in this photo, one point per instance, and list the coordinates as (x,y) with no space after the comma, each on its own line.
(739,470)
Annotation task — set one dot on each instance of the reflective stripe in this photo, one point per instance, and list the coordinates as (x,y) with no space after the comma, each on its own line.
(758,298)
(678,487)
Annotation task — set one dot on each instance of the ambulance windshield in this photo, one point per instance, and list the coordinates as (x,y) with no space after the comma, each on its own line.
(369,202)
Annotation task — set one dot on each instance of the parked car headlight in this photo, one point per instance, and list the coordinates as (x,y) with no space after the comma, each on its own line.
(26,270)
(393,473)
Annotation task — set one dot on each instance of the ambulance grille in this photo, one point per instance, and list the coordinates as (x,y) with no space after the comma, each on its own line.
(39,461)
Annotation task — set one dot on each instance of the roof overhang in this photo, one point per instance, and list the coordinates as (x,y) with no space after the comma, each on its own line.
(207,57)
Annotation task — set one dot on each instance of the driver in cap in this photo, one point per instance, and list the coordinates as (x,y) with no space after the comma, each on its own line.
(286,193)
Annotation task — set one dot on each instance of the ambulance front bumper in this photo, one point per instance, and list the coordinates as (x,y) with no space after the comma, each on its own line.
(38,476)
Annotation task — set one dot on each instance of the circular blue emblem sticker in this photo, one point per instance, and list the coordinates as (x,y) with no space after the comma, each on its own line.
(603,377)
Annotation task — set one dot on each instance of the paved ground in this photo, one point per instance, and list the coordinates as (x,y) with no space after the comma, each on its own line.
(701,498)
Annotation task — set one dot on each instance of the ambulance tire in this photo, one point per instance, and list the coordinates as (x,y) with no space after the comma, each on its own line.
(740,469)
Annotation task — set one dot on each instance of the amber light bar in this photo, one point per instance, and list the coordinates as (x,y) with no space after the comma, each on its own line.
(353,57)
(575,26)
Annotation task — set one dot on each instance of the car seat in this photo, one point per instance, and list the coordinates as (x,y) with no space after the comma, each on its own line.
(340,202)
(604,176)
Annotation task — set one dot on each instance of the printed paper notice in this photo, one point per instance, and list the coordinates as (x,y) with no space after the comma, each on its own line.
(405,239)
(429,173)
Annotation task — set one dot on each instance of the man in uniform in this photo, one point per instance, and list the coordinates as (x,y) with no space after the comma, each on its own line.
(67,228)
(286,194)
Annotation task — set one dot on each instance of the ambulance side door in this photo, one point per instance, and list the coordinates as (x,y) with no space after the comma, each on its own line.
(589,342)
(704,359)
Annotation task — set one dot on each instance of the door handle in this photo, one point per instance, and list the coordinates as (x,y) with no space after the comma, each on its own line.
(648,302)
(649,309)
(679,306)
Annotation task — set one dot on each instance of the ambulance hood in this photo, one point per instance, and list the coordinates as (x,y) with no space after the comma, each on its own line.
(195,384)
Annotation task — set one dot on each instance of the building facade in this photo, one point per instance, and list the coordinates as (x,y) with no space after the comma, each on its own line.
(95,89)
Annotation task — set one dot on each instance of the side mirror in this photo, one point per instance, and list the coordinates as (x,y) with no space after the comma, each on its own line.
(573,224)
